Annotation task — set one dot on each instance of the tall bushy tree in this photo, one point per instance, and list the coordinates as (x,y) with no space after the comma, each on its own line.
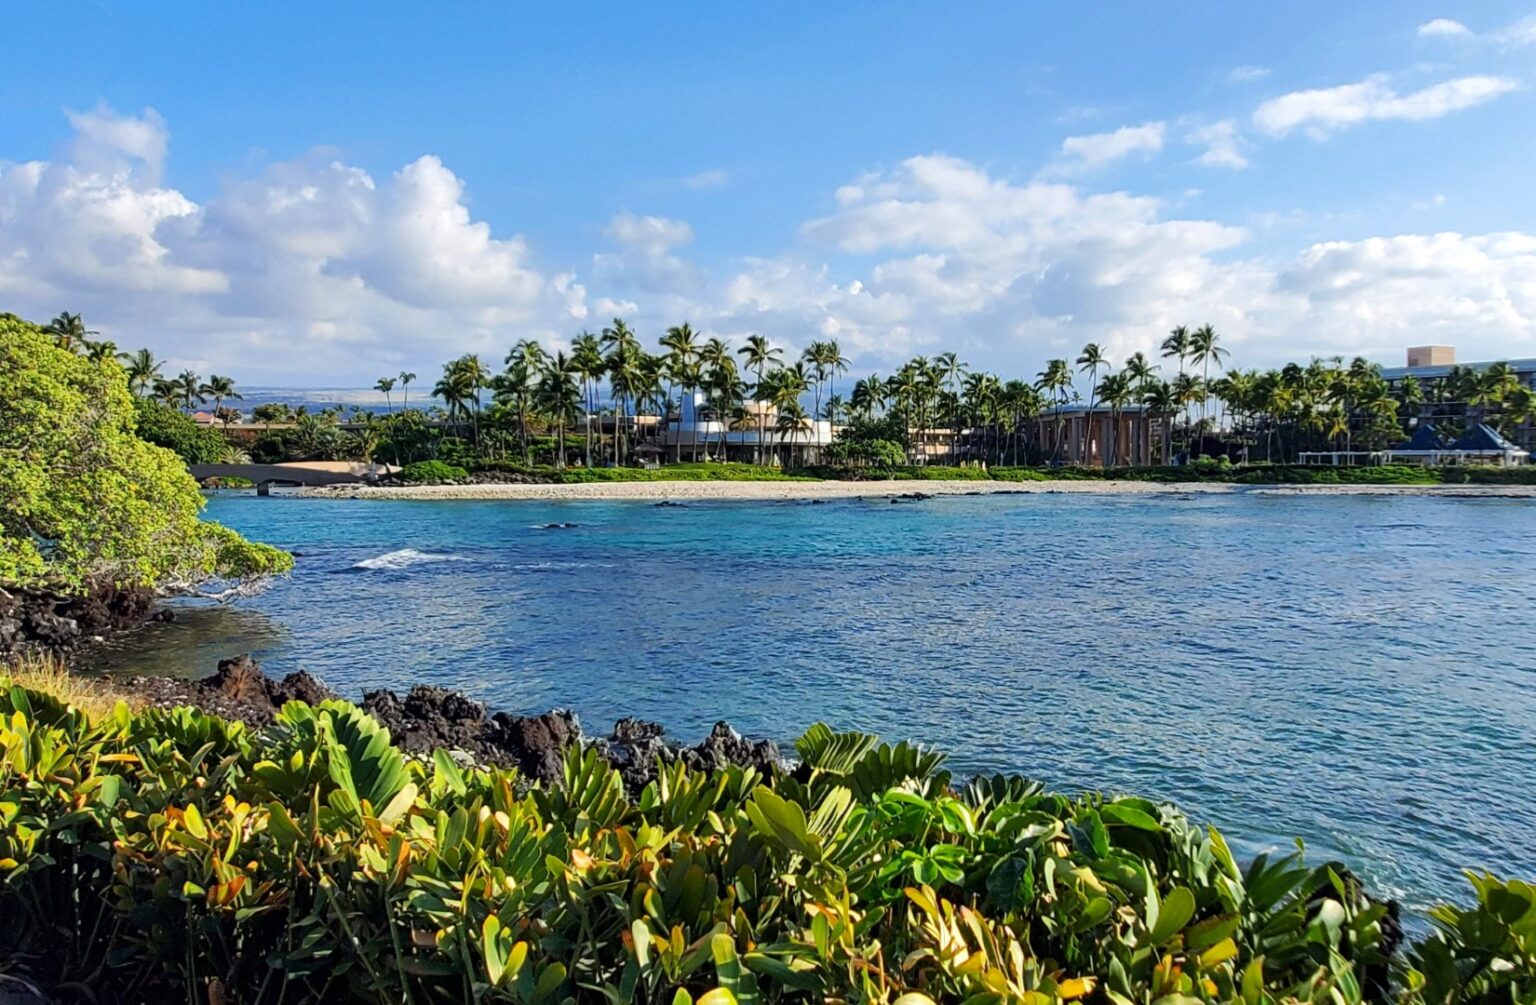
(86,503)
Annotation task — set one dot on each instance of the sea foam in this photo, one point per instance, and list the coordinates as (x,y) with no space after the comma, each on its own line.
(403,559)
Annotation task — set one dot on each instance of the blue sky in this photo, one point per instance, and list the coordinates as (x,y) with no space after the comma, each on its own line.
(318,193)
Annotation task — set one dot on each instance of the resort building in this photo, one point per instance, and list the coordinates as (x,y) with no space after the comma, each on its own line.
(698,431)
(1101,436)
(1432,365)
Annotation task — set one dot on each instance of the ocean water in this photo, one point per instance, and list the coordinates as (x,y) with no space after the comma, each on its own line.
(1354,671)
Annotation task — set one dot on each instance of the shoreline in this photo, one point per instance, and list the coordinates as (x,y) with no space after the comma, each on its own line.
(774,491)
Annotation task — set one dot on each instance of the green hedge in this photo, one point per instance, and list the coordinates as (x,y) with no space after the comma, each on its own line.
(685,472)
(174,856)
(428,472)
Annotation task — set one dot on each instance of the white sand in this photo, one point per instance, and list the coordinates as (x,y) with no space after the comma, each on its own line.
(773,491)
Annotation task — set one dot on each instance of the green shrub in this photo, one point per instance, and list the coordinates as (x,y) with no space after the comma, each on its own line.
(430,472)
(172,855)
(1018,475)
(1489,476)
(169,428)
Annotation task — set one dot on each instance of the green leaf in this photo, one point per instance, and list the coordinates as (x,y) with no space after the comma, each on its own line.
(1173,914)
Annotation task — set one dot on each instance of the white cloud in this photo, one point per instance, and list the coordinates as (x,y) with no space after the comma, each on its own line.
(1444,27)
(1222,142)
(1521,33)
(1324,111)
(1099,149)
(651,234)
(310,267)
(714,178)
(1246,74)
(315,271)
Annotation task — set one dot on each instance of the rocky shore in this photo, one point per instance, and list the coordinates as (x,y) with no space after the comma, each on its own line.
(427,718)
(36,620)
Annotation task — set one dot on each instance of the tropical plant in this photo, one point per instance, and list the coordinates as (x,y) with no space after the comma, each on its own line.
(84,502)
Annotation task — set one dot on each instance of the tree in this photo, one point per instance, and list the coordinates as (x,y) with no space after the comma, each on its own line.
(386,385)
(1054,381)
(682,346)
(1091,362)
(1159,398)
(69,332)
(1205,349)
(190,389)
(142,369)
(219,388)
(405,388)
(723,383)
(624,376)
(86,504)
(558,398)
(587,362)
(761,356)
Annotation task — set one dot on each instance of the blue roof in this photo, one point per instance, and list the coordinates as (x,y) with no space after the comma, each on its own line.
(1484,437)
(1426,437)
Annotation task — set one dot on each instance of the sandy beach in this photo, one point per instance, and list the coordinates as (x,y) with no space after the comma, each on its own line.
(792,490)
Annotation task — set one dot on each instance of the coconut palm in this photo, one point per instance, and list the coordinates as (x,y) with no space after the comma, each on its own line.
(622,353)
(219,388)
(1054,381)
(386,385)
(558,398)
(587,362)
(721,382)
(868,396)
(405,389)
(142,369)
(761,356)
(682,351)
(1091,362)
(791,419)
(1160,399)
(70,332)
(1205,349)
(191,389)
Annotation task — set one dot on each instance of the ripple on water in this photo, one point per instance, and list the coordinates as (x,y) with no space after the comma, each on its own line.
(1353,671)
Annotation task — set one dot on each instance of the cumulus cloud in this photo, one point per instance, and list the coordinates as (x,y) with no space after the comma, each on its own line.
(1443,27)
(1222,142)
(316,269)
(1324,111)
(311,264)
(1085,153)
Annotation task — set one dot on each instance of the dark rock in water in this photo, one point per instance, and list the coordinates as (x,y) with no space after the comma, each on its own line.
(671,504)
(560,526)
(634,749)
(430,717)
(911,497)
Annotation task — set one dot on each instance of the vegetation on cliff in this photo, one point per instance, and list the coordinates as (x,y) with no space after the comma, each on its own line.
(84,502)
(169,854)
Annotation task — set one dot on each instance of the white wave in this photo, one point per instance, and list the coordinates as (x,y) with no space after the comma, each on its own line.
(403,559)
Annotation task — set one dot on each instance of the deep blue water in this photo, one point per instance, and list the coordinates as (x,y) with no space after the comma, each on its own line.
(1355,671)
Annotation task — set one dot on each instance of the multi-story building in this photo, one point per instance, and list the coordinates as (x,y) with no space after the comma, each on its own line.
(1430,365)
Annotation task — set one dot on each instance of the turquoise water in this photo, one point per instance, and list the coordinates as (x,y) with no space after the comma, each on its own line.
(1356,671)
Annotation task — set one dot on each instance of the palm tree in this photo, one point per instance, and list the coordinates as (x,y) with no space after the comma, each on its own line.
(405,389)
(524,363)
(1091,362)
(191,388)
(624,376)
(868,396)
(1115,391)
(721,377)
(70,332)
(761,356)
(1054,381)
(791,419)
(1159,398)
(587,362)
(558,398)
(386,384)
(167,392)
(682,346)
(1204,349)
(142,368)
(218,388)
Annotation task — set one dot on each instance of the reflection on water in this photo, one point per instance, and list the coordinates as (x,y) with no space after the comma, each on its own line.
(1357,671)
(191,646)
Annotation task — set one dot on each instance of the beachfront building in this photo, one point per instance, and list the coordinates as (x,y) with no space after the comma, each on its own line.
(1442,384)
(1101,436)
(754,433)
